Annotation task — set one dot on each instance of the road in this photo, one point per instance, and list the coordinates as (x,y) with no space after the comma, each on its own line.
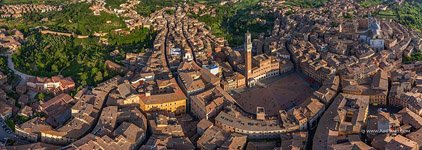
(3,133)
(12,136)
(11,65)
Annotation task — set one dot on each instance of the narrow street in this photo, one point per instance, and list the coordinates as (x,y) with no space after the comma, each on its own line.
(12,136)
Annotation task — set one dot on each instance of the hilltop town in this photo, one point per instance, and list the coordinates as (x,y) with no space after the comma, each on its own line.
(337,76)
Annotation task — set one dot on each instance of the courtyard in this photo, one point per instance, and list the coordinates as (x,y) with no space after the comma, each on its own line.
(274,94)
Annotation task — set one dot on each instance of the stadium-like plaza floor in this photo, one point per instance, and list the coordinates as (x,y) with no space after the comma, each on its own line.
(280,93)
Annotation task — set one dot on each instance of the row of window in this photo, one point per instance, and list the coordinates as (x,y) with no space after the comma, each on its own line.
(162,105)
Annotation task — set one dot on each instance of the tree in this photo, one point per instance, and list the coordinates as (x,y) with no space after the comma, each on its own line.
(105,73)
(98,77)
(41,96)
(84,76)
(54,68)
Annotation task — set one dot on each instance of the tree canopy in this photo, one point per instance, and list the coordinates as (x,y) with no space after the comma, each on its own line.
(48,55)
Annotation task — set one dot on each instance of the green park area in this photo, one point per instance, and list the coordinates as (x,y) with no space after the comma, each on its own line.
(233,20)
(81,59)
(409,14)
(48,55)
(414,57)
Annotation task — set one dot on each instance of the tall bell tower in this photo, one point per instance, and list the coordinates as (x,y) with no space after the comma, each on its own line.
(248,57)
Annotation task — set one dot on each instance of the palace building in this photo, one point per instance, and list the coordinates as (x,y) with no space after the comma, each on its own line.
(260,66)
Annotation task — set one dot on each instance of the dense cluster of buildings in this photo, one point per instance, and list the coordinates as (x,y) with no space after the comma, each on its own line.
(55,84)
(6,109)
(116,128)
(10,39)
(125,10)
(260,126)
(177,95)
(347,116)
(260,66)
(16,11)
(88,120)
(406,89)
(163,95)
(83,115)
(366,54)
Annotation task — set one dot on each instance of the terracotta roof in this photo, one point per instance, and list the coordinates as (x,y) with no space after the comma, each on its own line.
(163,98)
(61,99)
(416,136)
(37,145)
(5,108)
(401,142)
